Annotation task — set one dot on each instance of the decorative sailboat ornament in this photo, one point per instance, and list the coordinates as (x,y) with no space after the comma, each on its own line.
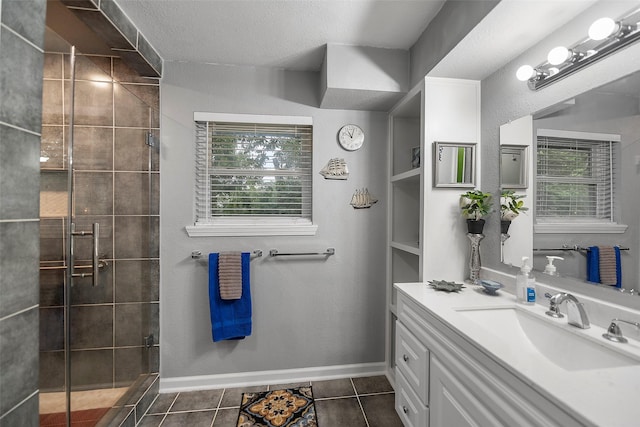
(335,169)
(362,199)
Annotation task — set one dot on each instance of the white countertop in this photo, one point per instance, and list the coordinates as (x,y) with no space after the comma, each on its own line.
(605,397)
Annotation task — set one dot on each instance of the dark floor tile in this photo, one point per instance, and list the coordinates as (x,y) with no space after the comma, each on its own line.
(340,413)
(233,396)
(191,419)
(377,384)
(380,410)
(196,400)
(151,420)
(333,388)
(162,403)
(289,385)
(226,418)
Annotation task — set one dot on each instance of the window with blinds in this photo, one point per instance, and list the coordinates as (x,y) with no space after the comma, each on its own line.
(253,171)
(575,179)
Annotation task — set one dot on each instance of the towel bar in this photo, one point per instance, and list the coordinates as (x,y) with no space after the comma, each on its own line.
(328,252)
(198,254)
(572,248)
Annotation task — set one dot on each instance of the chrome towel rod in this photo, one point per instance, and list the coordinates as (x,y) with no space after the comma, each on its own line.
(572,248)
(198,254)
(328,252)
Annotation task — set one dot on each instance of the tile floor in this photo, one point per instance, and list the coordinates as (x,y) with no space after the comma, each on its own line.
(347,402)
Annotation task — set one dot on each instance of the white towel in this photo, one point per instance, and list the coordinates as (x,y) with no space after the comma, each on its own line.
(230,275)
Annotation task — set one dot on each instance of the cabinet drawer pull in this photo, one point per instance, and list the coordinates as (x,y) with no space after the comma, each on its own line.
(405,357)
(405,409)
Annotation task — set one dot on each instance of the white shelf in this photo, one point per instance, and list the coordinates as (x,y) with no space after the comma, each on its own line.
(403,251)
(410,247)
(410,175)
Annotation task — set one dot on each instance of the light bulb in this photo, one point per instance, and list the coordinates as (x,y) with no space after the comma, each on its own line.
(602,28)
(558,55)
(525,72)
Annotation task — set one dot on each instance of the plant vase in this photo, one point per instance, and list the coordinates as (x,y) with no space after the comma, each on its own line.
(475,226)
(474,257)
(504,226)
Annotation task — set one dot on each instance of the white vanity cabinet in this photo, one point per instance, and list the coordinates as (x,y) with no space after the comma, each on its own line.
(453,403)
(412,377)
(443,379)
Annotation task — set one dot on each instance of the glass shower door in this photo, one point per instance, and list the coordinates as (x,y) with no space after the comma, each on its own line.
(98,238)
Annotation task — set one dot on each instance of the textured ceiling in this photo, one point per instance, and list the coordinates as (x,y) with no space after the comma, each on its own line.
(287,34)
(524,22)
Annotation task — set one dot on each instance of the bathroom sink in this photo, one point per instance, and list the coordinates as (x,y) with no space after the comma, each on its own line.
(531,333)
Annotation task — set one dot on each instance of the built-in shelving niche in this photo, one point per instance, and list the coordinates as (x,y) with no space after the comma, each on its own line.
(405,183)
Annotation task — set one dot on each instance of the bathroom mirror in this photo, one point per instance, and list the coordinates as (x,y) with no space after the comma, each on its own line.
(454,164)
(513,166)
(610,111)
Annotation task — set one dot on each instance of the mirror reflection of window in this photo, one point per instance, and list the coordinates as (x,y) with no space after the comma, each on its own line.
(575,176)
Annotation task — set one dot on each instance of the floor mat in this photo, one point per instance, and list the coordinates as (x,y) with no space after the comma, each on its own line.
(291,407)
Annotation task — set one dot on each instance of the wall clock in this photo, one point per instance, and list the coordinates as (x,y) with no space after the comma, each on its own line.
(351,137)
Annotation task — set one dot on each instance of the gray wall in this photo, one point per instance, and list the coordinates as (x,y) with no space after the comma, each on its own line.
(21,59)
(505,98)
(307,312)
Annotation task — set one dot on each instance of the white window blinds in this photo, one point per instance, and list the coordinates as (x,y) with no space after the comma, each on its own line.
(253,170)
(575,178)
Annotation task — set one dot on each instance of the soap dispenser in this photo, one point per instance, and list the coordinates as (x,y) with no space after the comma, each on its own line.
(525,284)
(550,269)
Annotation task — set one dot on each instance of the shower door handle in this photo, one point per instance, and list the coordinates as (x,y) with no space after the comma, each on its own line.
(95,261)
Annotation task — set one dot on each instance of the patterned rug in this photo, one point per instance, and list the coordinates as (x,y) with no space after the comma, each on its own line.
(292,407)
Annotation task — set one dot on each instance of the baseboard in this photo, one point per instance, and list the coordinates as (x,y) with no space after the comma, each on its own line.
(246,379)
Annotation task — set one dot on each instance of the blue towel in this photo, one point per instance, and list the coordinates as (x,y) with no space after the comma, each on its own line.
(593,265)
(230,319)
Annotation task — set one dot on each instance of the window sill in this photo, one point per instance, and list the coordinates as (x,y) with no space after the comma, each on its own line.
(249,230)
(577,228)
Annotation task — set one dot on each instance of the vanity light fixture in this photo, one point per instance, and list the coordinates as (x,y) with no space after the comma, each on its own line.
(603,28)
(527,72)
(606,36)
(559,55)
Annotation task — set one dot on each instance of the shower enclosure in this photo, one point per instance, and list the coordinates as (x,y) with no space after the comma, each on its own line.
(98,235)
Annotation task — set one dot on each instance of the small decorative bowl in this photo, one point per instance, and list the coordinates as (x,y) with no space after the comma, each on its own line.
(490,286)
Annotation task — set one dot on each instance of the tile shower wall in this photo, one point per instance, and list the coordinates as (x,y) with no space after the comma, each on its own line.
(116,184)
(21,40)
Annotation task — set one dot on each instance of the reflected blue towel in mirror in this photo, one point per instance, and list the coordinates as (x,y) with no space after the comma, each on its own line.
(593,265)
(230,319)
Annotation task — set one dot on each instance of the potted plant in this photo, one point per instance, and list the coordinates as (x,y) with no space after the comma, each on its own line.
(475,205)
(511,204)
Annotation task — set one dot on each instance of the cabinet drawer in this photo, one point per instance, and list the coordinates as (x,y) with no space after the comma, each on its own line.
(410,409)
(412,360)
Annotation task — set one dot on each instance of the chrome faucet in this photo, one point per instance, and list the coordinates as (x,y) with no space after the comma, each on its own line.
(614,333)
(577,316)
